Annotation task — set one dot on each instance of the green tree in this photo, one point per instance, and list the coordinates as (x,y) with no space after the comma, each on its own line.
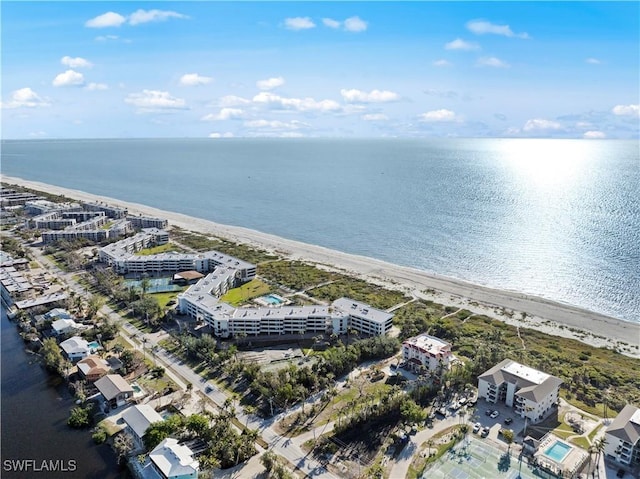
(79,417)
(411,412)
(52,355)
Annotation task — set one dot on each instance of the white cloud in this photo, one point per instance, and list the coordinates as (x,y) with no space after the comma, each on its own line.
(331,23)
(594,135)
(25,98)
(227,134)
(276,124)
(146,16)
(299,23)
(492,62)
(441,63)
(232,100)
(96,86)
(541,124)
(69,78)
(149,101)
(481,27)
(104,38)
(270,83)
(109,19)
(375,117)
(593,61)
(193,79)
(76,62)
(355,24)
(438,115)
(626,110)
(374,96)
(460,44)
(224,114)
(300,104)
(112,19)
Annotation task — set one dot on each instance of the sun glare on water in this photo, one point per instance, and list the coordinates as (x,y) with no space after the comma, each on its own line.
(547,163)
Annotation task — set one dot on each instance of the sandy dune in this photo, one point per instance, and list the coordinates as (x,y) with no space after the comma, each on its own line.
(541,314)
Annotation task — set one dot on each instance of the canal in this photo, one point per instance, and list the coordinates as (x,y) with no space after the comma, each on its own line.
(36,441)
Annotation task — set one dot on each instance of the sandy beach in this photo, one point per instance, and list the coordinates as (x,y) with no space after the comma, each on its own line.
(541,314)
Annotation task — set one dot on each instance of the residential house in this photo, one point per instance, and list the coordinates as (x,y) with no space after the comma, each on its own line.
(116,391)
(623,437)
(174,461)
(93,368)
(77,348)
(60,327)
(138,419)
(532,393)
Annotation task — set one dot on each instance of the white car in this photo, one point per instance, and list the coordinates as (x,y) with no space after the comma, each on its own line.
(494,414)
(476,427)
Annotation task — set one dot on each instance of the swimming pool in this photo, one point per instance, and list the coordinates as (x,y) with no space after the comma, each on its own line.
(155,285)
(273,299)
(557,451)
(93,345)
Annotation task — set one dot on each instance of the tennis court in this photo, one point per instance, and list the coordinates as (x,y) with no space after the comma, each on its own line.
(477,459)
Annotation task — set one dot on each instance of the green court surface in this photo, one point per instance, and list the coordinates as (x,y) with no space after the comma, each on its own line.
(476,459)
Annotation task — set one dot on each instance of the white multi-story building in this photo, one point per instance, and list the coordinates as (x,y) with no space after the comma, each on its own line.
(148,222)
(172,460)
(121,257)
(532,393)
(623,437)
(364,318)
(428,351)
(201,301)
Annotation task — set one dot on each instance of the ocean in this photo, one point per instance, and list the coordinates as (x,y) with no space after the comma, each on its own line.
(558,219)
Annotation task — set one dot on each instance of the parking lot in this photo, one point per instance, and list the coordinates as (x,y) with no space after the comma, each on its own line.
(479,415)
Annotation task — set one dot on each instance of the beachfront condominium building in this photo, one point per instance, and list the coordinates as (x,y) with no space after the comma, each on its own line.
(141,222)
(427,351)
(121,256)
(623,437)
(111,211)
(201,301)
(531,393)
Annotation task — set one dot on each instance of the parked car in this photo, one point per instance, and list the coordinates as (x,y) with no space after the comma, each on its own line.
(484,432)
(508,420)
(620,473)
(494,414)
(488,412)
(476,428)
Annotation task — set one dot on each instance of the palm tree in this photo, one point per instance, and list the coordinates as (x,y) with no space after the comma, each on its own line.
(599,445)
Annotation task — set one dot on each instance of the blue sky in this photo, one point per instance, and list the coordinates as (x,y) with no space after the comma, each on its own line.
(320,69)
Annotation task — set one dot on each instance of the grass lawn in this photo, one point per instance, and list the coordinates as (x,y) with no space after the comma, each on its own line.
(164,248)
(244,293)
(581,442)
(163,299)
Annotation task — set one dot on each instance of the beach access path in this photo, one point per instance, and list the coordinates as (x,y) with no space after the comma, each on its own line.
(550,317)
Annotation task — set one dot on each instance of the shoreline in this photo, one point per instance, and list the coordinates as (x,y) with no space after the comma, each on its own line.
(548,316)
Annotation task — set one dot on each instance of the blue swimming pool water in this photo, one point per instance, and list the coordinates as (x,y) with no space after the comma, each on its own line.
(94,344)
(557,451)
(271,299)
(156,285)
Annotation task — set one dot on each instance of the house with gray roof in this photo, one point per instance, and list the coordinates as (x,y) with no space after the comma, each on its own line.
(115,390)
(531,393)
(77,348)
(138,418)
(623,437)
